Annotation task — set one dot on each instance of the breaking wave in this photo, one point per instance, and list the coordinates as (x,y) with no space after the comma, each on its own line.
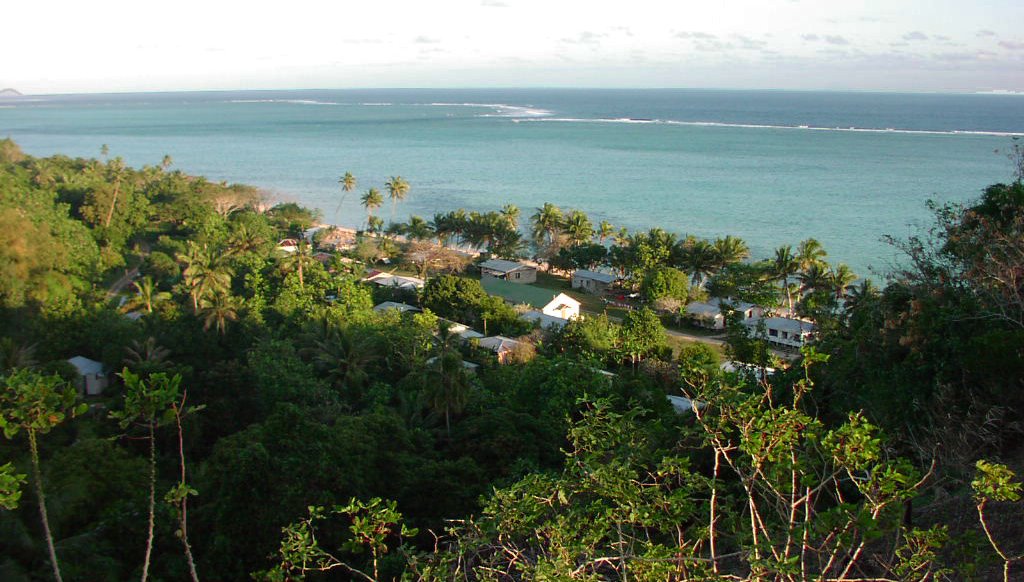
(635,120)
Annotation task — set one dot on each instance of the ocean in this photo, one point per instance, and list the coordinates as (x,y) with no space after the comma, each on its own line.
(772,167)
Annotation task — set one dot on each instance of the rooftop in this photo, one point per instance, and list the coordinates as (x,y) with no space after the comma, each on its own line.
(602,277)
(401,307)
(503,266)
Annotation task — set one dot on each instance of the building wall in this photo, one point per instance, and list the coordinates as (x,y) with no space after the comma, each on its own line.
(523,276)
(589,285)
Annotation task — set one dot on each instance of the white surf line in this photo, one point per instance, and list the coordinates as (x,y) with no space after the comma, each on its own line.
(641,121)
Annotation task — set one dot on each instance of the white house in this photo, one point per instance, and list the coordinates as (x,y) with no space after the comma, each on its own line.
(785,331)
(91,379)
(500,345)
(709,313)
(546,321)
(592,281)
(388,280)
(705,315)
(749,370)
(400,307)
(562,306)
(511,271)
(683,405)
(462,330)
(555,314)
(288,245)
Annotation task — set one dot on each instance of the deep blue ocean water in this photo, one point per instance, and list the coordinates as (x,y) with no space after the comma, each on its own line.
(772,167)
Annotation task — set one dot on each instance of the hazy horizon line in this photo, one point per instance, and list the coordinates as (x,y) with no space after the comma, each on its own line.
(519,88)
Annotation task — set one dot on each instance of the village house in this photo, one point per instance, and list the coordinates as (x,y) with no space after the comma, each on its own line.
(386,279)
(462,330)
(288,245)
(400,307)
(785,331)
(592,281)
(91,380)
(511,271)
(562,306)
(708,314)
(556,313)
(503,346)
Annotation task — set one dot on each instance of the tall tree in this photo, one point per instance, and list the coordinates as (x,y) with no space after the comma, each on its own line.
(546,223)
(841,277)
(700,259)
(578,227)
(218,309)
(147,294)
(205,272)
(35,404)
(730,250)
(511,213)
(298,260)
(348,184)
(418,229)
(810,252)
(117,171)
(447,385)
(146,402)
(785,265)
(372,200)
(398,188)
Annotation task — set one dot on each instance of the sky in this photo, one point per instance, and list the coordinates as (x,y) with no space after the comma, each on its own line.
(73,46)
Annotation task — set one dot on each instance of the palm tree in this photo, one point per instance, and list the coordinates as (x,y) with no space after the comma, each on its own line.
(814,277)
(842,276)
(443,227)
(345,356)
(784,266)
(146,352)
(147,294)
(701,259)
(299,260)
(578,227)
(14,355)
(447,386)
(547,222)
(605,230)
(730,250)
(372,200)
(348,184)
(205,273)
(166,162)
(398,188)
(459,220)
(218,309)
(511,213)
(810,252)
(418,229)
(858,294)
(244,240)
(117,170)
(374,224)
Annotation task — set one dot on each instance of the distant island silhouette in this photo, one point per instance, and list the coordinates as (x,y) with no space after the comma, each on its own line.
(8,92)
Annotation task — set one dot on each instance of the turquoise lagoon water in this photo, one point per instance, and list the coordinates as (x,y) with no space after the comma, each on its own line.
(771,167)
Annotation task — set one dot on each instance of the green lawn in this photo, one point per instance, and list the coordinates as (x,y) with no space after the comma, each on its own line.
(520,293)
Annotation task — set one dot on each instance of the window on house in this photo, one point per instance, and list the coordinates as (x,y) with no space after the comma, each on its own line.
(773,332)
(517,275)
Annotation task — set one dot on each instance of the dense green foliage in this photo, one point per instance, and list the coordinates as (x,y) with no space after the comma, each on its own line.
(301,433)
